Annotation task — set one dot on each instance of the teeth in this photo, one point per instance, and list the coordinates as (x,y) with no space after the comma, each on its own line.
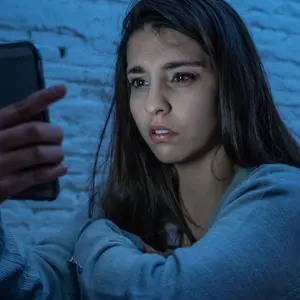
(161,131)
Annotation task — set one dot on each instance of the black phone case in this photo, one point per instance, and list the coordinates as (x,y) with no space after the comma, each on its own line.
(47,191)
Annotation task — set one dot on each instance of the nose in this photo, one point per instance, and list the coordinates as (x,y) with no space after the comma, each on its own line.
(157,102)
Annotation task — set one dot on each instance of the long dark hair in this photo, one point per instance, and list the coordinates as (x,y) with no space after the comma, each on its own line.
(139,192)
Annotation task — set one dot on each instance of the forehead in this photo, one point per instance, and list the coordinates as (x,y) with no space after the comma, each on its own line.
(148,46)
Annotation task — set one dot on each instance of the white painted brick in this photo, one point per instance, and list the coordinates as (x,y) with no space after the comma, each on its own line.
(88,57)
(282,68)
(7,35)
(77,74)
(49,53)
(57,39)
(268,37)
(89,31)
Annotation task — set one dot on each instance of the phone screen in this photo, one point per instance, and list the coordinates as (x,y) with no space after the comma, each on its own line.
(18,75)
(21,75)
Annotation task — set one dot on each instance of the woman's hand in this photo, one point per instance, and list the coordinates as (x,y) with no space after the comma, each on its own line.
(148,249)
(30,151)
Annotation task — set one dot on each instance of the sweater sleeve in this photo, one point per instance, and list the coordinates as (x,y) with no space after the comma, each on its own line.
(43,273)
(251,252)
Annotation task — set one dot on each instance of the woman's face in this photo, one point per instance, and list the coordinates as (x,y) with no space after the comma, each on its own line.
(173,94)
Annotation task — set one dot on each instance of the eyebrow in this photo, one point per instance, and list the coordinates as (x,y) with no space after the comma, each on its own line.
(169,66)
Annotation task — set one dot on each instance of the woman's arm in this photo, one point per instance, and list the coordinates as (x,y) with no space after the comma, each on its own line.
(44,273)
(251,252)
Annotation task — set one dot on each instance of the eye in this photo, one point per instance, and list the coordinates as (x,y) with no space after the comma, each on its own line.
(138,82)
(183,78)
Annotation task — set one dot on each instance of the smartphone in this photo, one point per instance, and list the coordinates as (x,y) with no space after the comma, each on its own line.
(21,74)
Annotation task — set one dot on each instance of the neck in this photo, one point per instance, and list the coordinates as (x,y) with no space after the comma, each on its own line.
(202,184)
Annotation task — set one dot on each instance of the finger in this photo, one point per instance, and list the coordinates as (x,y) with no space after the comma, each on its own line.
(19,182)
(30,133)
(30,157)
(35,103)
(148,249)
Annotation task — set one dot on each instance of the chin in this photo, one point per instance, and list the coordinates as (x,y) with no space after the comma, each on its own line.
(166,160)
(169,157)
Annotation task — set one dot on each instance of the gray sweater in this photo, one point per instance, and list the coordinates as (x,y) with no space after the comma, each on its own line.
(251,252)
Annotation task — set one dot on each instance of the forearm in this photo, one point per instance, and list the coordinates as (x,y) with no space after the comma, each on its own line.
(44,272)
(17,279)
(225,264)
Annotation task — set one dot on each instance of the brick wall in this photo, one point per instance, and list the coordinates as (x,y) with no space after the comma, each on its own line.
(77,40)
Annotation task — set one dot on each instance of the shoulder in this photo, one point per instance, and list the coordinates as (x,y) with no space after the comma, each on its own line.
(257,228)
(266,179)
(272,188)
(275,173)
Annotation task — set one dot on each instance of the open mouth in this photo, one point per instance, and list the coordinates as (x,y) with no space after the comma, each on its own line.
(161,131)
(161,134)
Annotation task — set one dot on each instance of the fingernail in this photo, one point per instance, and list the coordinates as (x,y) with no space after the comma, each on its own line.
(59,89)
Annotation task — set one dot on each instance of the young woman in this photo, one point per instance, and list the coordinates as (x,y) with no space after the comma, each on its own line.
(202,174)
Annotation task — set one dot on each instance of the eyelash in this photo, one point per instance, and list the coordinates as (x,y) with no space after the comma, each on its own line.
(187,76)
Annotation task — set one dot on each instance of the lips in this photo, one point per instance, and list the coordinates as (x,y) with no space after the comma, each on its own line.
(161,134)
(154,129)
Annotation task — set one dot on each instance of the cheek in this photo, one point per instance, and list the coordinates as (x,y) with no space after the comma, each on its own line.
(136,110)
(140,117)
(201,115)
(204,114)
(133,110)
